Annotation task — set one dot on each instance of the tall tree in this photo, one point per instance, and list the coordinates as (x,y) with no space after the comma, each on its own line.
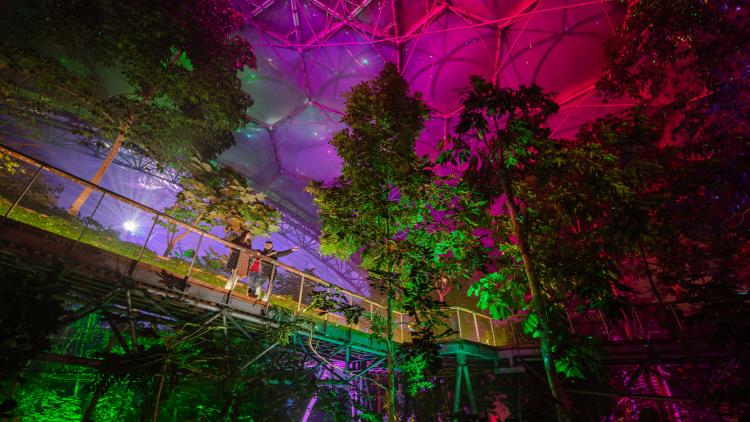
(364,209)
(558,212)
(498,131)
(158,77)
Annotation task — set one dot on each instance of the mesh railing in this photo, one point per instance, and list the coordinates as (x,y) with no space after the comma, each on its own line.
(39,195)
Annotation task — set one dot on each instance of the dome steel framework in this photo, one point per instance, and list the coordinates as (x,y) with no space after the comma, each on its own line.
(310,52)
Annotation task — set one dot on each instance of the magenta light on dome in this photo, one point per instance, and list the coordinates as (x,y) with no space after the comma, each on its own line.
(311,52)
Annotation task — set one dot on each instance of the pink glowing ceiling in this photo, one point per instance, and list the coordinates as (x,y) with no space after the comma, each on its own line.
(312,51)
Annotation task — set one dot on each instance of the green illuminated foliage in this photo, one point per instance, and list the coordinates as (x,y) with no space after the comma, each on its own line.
(325,301)
(49,404)
(499,294)
(413,370)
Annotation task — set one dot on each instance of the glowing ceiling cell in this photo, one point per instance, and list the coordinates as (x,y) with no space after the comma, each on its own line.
(303,145)
(348,59)
(492,10)
(276,84)
(378,16)
(558,45)
(439,63)
(277,20)
(254,155)
(412,14)
(435,130)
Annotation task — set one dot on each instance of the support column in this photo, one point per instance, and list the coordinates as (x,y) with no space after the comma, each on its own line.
(470,391)
(460,360)
(462,371)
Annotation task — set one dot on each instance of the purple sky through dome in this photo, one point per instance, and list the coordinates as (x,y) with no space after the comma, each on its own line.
(312,51)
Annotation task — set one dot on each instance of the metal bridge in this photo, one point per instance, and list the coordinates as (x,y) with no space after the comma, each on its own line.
(123,274)
(291,226)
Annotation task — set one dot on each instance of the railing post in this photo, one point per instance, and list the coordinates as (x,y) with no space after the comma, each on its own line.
(401,323)
(299,297)
(458,321)
(148,237)
(195,256)
(371,315)
(351,303)
(570,322)
(270,286)
(86,225)
(512,333)
(492,328)
(676,319)
(640,324)
(25,191)
(476,327)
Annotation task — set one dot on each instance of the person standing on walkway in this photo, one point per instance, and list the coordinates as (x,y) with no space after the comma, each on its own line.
(256,282)
(240,261)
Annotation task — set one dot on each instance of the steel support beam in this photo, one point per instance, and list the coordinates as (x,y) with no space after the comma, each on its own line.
(457,394)
(469,390)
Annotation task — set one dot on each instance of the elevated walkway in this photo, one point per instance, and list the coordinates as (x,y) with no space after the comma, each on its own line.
(122,272)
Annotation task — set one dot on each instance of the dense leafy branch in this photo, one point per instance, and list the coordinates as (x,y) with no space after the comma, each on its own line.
(214,195)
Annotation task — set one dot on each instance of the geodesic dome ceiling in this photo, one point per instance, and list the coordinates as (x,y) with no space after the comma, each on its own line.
(312,51)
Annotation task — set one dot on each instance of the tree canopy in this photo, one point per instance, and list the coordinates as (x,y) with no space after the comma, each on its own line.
(158,77)
(170,67)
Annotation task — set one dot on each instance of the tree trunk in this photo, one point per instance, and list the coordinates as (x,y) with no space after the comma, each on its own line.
(225,407)
(562,403)
(98,393)
(83,196)
(158,392)
(390,398)
(174,241)
(177,237)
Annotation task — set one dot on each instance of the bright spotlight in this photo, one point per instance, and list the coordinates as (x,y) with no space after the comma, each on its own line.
(130,226)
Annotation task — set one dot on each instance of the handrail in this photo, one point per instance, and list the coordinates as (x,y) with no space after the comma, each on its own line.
(46,166)
(474,335)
